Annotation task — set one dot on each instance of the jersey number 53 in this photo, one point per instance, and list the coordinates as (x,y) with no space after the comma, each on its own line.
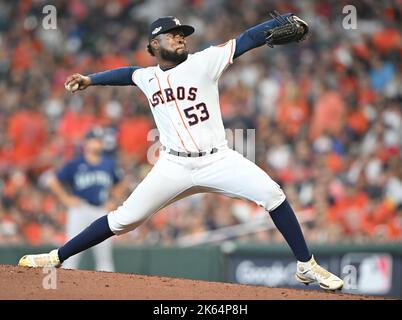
(196,113)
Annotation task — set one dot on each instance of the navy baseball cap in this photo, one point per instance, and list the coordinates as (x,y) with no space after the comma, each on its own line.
(165,24)
(95,133)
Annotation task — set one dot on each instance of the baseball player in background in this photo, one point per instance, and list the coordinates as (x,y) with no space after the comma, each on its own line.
(182,91)
(85,186)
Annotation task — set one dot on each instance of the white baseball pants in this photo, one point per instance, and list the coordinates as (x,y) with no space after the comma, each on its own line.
(174,177)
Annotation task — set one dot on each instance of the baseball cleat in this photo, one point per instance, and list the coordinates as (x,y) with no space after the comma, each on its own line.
(50,259)
(310,272)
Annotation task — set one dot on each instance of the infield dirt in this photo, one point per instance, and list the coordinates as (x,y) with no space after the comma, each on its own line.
(23,283)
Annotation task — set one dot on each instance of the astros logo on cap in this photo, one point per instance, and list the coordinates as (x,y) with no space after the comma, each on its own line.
(156,30)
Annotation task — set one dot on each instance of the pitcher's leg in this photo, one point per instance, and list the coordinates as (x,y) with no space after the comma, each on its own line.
(286,222)
(237,176)
(166,181)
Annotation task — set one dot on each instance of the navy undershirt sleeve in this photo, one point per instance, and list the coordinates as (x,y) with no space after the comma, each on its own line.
(255,36)
(114,77)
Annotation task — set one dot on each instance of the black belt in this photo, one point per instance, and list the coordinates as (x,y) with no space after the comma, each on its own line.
(190,154)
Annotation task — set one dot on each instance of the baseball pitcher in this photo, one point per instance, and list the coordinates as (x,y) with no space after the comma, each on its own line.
(182,90)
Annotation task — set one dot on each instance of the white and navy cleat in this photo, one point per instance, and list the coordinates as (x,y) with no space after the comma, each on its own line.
(50,259)
(311,272)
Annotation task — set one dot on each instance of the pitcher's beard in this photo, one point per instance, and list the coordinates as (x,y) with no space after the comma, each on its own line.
(174,56)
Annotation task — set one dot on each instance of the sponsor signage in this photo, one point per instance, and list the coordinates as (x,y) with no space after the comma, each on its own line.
(362,273)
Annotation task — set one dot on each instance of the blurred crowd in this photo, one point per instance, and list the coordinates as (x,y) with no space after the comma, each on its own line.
(327,114)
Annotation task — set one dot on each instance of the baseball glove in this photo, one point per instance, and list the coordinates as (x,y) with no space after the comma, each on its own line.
(290,29)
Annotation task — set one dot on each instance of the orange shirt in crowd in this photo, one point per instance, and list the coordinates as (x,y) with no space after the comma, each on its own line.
(226,104)
(350,211)
(74,125)
(355,216)
(27,132)
(395,228)
(362,50)
(24,53)
(367,96)
(292,115)
(328,114)
(132,136)
(384,212)
(33,233)
(387,39)
(143,58)
(383,217)
(5,157)
(112,61)
(334,162)
(347,85)
(357,120)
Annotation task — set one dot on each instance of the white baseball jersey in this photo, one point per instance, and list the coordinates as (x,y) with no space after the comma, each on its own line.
(185,99)
(185,104)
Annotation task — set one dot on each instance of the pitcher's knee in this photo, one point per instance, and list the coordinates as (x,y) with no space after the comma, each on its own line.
(275,198)
(121,222)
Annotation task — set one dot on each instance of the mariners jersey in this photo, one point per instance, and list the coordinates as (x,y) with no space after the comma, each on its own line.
(89,182)
(185,100)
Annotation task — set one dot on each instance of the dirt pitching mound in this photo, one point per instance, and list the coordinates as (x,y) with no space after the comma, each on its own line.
(23,283)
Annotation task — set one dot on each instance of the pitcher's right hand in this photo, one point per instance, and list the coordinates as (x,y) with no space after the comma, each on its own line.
(77,82)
